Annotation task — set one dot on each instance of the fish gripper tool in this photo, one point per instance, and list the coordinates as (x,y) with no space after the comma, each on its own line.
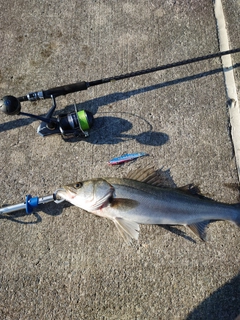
(29,204)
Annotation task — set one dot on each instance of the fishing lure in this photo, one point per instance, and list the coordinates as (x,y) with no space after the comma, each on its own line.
(127,157)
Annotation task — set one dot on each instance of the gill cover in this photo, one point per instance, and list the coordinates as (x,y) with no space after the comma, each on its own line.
(89,195)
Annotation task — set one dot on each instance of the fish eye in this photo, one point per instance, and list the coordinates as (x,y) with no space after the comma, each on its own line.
(78,185)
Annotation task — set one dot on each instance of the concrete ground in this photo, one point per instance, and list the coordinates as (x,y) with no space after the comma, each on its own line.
(63,263)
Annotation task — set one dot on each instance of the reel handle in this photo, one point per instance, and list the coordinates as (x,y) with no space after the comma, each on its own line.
(10,105)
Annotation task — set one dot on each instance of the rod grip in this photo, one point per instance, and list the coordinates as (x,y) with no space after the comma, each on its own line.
(63,90)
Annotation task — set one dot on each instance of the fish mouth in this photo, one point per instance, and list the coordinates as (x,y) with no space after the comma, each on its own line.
(56,197)
(67,193)
(61,193)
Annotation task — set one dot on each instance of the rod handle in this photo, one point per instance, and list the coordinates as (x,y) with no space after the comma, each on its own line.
(63,90)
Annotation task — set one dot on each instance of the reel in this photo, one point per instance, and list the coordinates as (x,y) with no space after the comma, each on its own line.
(69,125)
(77,123)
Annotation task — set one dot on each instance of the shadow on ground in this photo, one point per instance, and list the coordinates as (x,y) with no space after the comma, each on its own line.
(49,208)
(110,122)
(223,304)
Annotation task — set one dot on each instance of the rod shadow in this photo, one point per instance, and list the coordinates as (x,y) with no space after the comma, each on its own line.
(94,104)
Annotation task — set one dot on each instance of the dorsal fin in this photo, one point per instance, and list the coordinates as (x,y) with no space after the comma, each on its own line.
(160,178)
(191,189)
(148,175)
(139,174)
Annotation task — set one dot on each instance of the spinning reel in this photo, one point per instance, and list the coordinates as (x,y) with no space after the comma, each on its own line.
(69,125)
(77,123)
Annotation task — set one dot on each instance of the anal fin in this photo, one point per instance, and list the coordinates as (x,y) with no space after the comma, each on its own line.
(128,229)
(199,229)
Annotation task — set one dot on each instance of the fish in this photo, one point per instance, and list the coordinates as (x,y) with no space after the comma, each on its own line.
(126,157)
(140,198)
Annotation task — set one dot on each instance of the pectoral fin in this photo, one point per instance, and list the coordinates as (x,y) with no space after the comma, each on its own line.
(128,229)
(199,229)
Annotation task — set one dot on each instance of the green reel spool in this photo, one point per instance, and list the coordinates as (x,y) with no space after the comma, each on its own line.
(83,120)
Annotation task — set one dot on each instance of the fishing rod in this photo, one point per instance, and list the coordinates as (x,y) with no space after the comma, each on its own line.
(78,122)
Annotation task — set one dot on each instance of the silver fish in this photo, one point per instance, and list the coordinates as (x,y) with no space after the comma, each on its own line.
(140,199)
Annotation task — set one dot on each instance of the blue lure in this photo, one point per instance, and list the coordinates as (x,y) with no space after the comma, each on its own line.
(127,157)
